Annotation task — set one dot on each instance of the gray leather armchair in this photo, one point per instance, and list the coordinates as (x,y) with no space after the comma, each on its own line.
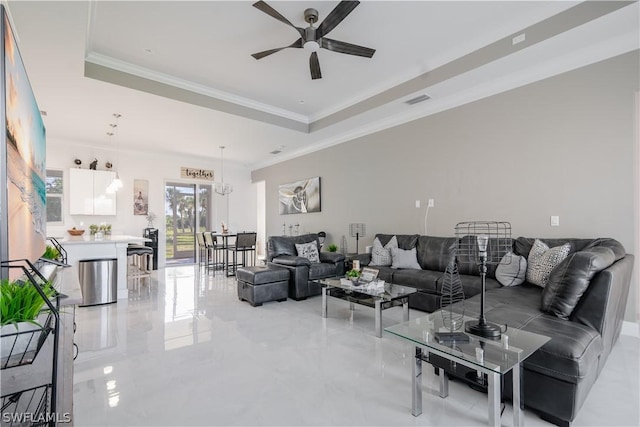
(281,251)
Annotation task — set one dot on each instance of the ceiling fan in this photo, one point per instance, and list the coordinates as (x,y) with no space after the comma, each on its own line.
(312,38)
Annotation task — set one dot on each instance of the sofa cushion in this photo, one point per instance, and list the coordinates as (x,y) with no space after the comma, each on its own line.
(435,253)
(542,260)
(512,270)
(321,270)
(472,285)
(381,255)
(405,241)
(522,245)
(425,280)
(308,251)
(281,245)
(386,273)
(404,258)
(616,247)
(571,278)
(573,349)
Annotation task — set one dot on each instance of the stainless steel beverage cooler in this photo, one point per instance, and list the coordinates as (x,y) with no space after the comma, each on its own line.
(99,281)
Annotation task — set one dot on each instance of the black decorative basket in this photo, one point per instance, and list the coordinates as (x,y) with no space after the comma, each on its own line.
(27,407)
(21,347)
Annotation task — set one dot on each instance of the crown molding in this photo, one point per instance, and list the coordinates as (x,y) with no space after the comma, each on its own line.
(145,73)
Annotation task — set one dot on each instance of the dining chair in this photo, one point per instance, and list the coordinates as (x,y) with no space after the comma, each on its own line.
(202,249)
(245,245)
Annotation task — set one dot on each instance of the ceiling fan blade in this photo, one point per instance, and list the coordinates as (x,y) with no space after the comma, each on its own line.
(336,16)
(314,64)
(260,55)
(348,48)
(275,14)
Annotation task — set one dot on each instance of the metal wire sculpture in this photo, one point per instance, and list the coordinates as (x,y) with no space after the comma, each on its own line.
(452,293)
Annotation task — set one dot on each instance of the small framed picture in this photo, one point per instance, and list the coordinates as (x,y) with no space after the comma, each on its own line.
(356,264)
(369,274)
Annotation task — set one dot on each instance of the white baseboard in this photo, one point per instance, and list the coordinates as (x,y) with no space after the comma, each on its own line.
(631,329)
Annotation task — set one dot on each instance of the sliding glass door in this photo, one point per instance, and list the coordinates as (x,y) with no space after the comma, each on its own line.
(187,211)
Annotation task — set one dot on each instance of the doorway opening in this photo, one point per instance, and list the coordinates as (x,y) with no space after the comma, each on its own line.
(187,211)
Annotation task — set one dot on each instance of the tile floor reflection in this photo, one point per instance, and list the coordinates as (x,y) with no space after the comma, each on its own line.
(183,350)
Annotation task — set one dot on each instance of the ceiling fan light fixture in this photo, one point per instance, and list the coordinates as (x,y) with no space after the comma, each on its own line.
(311,46)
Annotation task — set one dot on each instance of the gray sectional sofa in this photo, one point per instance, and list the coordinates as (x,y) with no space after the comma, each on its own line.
(581,309)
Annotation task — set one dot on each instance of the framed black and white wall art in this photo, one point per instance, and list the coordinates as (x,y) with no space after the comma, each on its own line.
(300,196)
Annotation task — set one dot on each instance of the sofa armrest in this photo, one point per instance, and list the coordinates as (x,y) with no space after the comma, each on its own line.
(291,261)
(333,257)
(603,304)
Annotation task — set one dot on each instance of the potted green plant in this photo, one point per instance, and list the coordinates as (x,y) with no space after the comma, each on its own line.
(333,248)
(93,229)
(20,306)
(51,252)
(353,275)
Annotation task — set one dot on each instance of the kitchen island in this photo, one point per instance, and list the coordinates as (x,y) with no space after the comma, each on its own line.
(81,248)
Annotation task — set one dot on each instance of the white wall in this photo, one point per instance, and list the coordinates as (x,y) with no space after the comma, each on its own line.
(157,169)
(561,146)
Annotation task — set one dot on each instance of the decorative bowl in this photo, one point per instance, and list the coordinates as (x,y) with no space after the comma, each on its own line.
(75,232)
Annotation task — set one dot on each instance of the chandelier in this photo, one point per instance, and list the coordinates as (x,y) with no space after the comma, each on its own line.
(222,188)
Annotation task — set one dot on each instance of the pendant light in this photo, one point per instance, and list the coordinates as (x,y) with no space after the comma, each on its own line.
(222,188)
(116,184)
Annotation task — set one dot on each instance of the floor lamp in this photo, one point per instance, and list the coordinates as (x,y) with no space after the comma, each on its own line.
(357,230)
(483,243)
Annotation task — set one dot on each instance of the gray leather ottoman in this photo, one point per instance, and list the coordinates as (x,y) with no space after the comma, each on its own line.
(258,284)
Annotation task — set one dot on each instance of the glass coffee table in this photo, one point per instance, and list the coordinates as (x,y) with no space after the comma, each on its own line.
(379,298)
(492,358)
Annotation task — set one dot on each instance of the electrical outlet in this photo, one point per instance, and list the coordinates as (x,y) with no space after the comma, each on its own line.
(431,203)
(555,221)
(417,203)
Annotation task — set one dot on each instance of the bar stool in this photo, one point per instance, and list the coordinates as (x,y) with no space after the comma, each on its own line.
(141,257)
(213,251)
(202,249)
(245,244)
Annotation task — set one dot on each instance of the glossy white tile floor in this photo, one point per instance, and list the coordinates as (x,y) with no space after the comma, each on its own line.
(183,350)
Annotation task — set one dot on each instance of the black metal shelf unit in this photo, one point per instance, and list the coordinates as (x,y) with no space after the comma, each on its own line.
(33,406)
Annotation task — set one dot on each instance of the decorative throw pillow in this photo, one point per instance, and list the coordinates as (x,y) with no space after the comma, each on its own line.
(543,260)
(308,251)
(405,258)
(511,270)
(568,282)
(381,255)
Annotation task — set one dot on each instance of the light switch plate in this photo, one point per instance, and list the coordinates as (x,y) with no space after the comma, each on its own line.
(555,221)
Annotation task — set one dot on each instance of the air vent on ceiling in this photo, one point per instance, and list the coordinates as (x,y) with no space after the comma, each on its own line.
(276,152)
(417,99)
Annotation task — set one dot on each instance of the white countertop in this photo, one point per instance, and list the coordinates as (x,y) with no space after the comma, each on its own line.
(116,238)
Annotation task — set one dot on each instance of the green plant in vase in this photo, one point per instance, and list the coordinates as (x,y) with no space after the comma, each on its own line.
(353,275)
(20,305)
(93,229)
(51,252)
(21,302)
(333,248)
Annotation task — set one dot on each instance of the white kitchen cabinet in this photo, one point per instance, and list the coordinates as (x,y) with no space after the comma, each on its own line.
(88,192)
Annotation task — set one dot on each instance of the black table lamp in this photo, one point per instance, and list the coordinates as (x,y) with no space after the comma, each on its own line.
(357,230)
(485,243)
